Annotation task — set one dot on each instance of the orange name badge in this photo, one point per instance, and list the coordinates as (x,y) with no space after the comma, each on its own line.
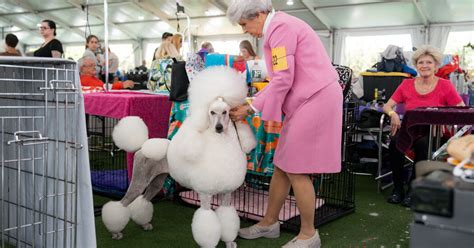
(279,62)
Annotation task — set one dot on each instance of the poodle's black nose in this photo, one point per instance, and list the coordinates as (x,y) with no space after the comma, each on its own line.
(219,128)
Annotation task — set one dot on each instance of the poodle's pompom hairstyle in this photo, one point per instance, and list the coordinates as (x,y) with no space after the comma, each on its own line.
(141,210)
(230,222)
(130,133)
(115,216)
(155,148)
(206,228)
(214,82)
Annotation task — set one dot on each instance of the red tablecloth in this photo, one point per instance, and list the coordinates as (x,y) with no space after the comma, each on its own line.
(153,109)
(416,122)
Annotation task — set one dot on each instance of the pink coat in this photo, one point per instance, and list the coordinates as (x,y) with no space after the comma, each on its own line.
(304,87)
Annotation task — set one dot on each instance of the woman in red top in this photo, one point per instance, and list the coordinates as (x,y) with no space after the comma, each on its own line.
(426,90)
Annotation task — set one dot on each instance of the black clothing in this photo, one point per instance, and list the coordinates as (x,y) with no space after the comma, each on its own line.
(45,51)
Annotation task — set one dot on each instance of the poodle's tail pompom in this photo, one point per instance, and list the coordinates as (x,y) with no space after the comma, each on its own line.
(141,212)
(115,216)
(130,133)
(230,222)
(155,148)
(206,228)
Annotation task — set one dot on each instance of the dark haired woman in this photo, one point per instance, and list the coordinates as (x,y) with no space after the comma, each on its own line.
(51,47)
(92,47)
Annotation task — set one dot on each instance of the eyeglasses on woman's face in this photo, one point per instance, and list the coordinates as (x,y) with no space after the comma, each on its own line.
(44,28)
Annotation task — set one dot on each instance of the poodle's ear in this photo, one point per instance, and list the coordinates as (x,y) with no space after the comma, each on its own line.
(199,119)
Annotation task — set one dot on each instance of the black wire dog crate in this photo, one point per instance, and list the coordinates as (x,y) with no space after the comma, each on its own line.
(109,174)
(335,193)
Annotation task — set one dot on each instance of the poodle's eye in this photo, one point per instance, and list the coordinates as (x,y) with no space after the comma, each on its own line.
(213,113)
(224,113)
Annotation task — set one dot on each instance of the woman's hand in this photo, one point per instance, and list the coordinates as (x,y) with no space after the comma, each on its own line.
(240,112)
(394,123)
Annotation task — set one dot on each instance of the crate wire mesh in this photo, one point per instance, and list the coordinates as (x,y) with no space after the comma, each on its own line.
(108,163)
(39,126)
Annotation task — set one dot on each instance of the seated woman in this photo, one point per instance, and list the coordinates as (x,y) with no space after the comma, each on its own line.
(426,90)
(89,79)
(246,51)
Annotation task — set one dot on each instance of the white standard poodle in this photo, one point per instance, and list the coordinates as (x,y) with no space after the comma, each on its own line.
(207,154)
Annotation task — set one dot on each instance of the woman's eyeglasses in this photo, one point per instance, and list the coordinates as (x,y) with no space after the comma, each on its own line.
(43,28)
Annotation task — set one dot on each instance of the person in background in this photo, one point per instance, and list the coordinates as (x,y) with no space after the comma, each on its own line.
(51,47)
(165,37)
(426,90)
(142,67)
(246,50)
(113,67)
(207,47)
(92,46)
(304,88)
(88,76)
(177,41)
(11,41)
(167,50)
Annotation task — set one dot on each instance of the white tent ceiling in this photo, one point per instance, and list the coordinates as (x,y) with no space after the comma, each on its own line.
(148,19)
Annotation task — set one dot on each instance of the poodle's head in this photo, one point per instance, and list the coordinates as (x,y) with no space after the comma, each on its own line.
(219,115)
(204,93)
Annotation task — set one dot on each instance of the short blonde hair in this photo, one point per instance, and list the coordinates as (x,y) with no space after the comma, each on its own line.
(166,50)
(428,50)
(177,41)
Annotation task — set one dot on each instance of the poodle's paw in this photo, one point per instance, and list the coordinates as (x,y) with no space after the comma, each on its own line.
(206,228)
(147,227)
(230,223)
(231,244)
(117,236)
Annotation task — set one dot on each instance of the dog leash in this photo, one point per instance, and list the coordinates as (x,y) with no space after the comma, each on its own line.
(238,137)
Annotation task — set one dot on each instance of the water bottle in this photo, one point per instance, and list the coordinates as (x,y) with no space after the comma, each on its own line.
(256,72)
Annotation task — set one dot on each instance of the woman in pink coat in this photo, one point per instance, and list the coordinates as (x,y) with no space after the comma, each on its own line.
(304,89)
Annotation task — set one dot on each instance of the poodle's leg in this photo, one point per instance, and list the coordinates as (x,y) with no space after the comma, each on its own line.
(246,136)
(230,222)
(141,208)
(115,215)
(206,226)
(141,177)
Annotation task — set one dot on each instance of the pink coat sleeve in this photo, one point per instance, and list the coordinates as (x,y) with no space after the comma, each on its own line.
(270,101)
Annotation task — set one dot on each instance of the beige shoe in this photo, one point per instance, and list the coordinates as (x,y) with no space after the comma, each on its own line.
(313,242)
(256,231)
